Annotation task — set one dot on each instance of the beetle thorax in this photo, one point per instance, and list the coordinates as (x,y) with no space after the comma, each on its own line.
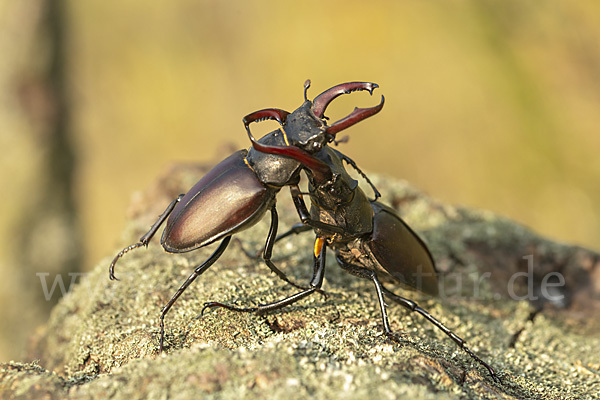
(333,193)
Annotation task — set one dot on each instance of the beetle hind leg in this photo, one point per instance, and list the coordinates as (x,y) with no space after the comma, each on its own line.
(412,306)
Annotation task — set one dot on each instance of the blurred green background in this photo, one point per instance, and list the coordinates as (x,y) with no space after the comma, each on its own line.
(491,104)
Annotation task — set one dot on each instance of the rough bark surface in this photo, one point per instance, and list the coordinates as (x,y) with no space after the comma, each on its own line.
(102,338)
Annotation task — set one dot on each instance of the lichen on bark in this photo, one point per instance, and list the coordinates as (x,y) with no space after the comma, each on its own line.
(102,339)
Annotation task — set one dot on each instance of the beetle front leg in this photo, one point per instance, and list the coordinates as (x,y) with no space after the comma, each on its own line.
(268,251)
(144,240)
(296,229)
(353,164)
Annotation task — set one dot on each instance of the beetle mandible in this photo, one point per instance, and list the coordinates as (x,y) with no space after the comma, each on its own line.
(215,208)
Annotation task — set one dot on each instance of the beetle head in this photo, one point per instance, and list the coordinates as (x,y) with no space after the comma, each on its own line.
(305,131)
(307,127)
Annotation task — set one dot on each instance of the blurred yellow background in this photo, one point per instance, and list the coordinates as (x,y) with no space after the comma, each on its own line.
(490,104)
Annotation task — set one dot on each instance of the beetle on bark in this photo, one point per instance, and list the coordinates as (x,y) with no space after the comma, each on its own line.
(215,208)
(368,238)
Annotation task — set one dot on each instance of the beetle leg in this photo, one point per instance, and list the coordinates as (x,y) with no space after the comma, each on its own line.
(247,253)
(271,239)
(362,272)
(197,272)
(144,240)
(353,164)
(267,250)
(412,306)
(294,230)
(315,285)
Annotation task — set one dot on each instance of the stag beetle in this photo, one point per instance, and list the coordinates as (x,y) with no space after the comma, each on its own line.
(239,190)
(368,238)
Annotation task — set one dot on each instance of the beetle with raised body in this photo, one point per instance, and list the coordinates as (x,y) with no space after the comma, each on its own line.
(239,190)
(369,239)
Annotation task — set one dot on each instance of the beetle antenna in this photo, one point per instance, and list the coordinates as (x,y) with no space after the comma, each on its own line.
(344,139)
(306,86)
